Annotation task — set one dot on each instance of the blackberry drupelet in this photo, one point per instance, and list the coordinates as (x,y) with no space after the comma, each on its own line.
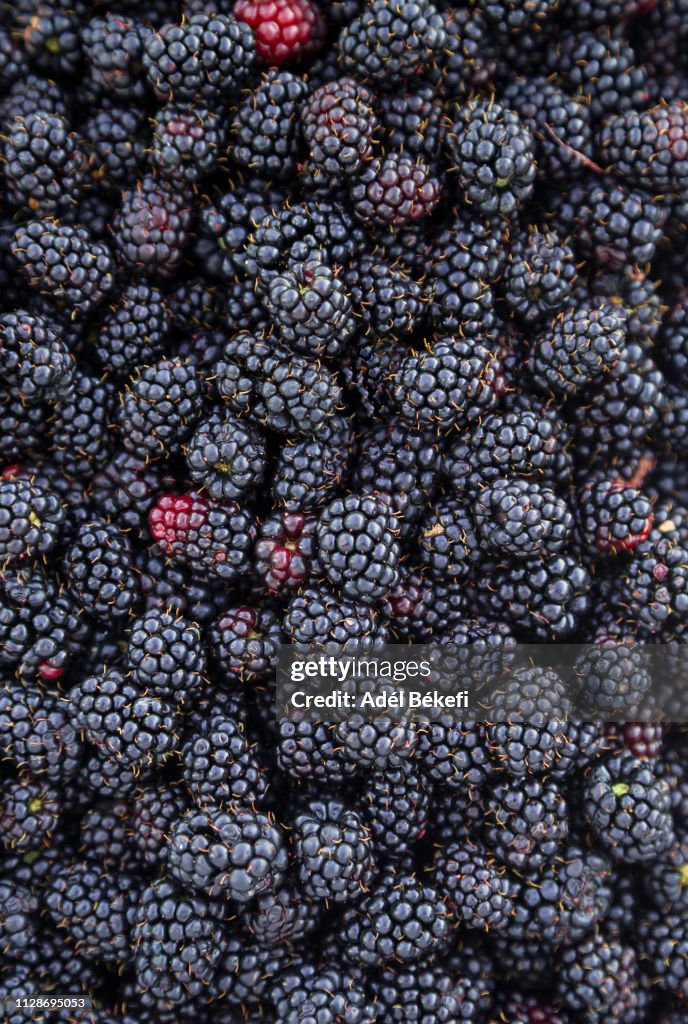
(356,546)
(492,153)
(519,518)
(206,58)
(237,854)
(31,519)
(187,143)
(265,135)
(310,307)
(165,656)
(135,329)
(226,456)
(45,165)
(160,406)
(333,851)
(151,228)
(98,568)
(388,45)
(243,643)
(284,551)
(394,190)
(220,766)
(339,127)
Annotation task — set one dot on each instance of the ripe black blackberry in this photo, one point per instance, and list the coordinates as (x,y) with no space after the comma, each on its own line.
(105,837)
(597,979)
(386,299)
(117,143)
(265,135)
(151,816)
(628,808)
(187,142)
(285,915)
(33,93)
(454,753)
(330,994)
(18,926)
(560,125)
(237,854)
(317,615)
(134,330)
(672,344)
(226,456)
(448,382)
(21,425)
(278,388)
(639,298)
(526,822)
(519,518)
(95,908)
(377,743)
(333,851)
(309,751)
(124,490)
(448,543)
(113,47)
(647,147)
(395,804)
(618,226)
(284,550)
(476,886)
(35,359)
(400,919)
(413,122)
(45,165)
(356,546)
(98,568)
(51,34)
(664,951)
(394,190)
(205,58)
(311,309)
(612,680)
(665,879)
(160,406)
(540,275)
(151,228)
(178,941)
(224,223)
(613,516)
(213,541)
(37,733)
(29,814)
(420,607)
(165,656)
(388,46)
(81,428)
(243,643)
(31,519)
(64,263)
(582,345)
(339,127)
(221,767)
(492,153)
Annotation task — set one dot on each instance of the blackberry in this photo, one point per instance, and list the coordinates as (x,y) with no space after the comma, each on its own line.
(394,190)
(356,546)
(117,142)
(212,540)
(618,226)
(80,429)
(226,456)
(151,228)
(526,732)
(29,814)
(523,443)
(317,615)
(243,643)
(492,153)
(113,47)
(224,224)
(663,940)
(151,816)
(14,59)
(396,806)
(413,122)
(284,550)
(34,93)
(35,358)
(206,58)
(160,406)
(449,545)
(454,753)
(98,567)
(51,34)
(612,679)
(329,994)
(265,134)
(134,727)
(286,30)
(400,919)
(560,125)
(581,346)
(125,488)
(279,389)
(390,45)
(31,519)
(665,879)
(187,142)
(96,909)
(647,147)
(540,275)
(165,656)
(134,330)
(672,344)
(104,837)
(45,166)
(376,743)
(21,425)
(286,915)
(476,887)
(64,263)
(420,607)
(178,941)
(386,299)
(638,298)
(628,808)
(614,517)
(221,767)
(237,854)
(311,309)
(519,518)
(333,852)
(37,735)
(309,751)
(526,822)
(18,924)
(339,128)
(449,382)
(598,978)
